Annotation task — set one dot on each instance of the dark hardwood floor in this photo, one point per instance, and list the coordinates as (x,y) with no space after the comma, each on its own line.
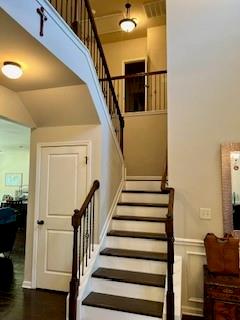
(21,304)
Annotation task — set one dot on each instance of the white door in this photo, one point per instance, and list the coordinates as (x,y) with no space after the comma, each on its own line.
(63,188)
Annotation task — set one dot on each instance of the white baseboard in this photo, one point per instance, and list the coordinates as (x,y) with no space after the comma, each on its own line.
(197,312)
(27,285)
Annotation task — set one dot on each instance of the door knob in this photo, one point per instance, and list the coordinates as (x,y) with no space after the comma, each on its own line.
(41,222)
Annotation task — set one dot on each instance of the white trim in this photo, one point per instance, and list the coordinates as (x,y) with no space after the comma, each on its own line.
(192,311)
(27,285)
(86,143)
(111,211)
(189,242)
(144,113)
(143,178)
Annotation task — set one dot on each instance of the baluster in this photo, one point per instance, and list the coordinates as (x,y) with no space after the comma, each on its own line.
(93,221)
(86,239)
(90,229)
(83,240)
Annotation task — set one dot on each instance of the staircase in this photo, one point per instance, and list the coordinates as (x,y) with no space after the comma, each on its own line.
(129,282)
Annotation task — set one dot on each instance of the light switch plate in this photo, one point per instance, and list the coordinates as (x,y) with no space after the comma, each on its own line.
(205,213)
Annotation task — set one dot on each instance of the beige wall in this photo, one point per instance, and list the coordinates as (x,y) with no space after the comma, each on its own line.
(106,167)
(12,108)
(117,52)
(13,161)
(203,112)
(145,137)
(157,48)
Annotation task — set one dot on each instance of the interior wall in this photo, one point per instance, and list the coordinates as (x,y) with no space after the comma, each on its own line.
(12,108)
(13,161)
(157,48)
(203,112)
(145,137)
(117,52)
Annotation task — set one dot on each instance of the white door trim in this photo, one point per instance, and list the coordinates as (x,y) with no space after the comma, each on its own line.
(86,143)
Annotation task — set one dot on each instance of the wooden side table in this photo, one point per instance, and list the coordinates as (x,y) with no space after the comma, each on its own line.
(221,296)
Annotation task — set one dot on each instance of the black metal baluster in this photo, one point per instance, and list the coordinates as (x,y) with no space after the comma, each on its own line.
(86,237)
(90,228)
(80,251)
(83,240)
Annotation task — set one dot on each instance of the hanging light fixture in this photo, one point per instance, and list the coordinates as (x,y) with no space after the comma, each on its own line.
(12,70)
(127,24)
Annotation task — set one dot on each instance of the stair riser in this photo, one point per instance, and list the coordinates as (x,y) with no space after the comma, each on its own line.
(156,227)
(128,290)
(142,211)
(143,185)
(144,197)
(136,244)
(130,264)
(91,313)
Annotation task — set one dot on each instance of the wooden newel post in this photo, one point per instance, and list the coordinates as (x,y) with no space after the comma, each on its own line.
(74,283)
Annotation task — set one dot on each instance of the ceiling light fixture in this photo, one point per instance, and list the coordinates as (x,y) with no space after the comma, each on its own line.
(127,24)
(12,70)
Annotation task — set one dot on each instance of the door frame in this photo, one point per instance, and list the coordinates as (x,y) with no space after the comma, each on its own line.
(125,61)
(86,143)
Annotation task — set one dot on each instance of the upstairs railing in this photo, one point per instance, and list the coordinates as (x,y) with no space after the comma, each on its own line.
(141,91)
(78,15)
(83,222)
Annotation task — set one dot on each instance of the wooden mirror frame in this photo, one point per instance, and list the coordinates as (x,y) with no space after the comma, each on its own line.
(226,149)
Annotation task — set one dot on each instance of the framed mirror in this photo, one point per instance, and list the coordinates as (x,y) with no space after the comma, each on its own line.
(230,156)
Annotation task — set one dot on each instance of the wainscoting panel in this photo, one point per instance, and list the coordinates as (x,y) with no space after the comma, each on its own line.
(193,254)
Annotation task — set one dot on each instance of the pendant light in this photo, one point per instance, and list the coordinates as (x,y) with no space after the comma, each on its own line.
(127,24)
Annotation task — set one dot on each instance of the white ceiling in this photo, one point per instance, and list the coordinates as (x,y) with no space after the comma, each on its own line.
(109,13)
(41,68)
(13,136)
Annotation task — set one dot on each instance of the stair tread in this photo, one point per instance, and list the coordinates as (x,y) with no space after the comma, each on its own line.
(146,191)
(139,218)
(138,234)
(135,254)
(143,204)
(124,304)
(142,278)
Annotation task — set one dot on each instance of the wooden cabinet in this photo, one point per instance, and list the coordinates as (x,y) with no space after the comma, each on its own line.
(221,296)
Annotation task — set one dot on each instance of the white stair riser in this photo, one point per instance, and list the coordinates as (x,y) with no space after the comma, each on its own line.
(156,227)
(90,313)
(136,244)
(144,197)
(129,290)
(143,185)
(131,264)
(142,211)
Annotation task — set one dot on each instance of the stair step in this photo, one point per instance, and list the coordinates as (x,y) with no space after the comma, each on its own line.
(135,254)
(142,278)
(139,218)
(146,191)
(118,303)
(143,204)
(137,234)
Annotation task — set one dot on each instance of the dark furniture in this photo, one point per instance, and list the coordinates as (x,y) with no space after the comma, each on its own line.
(221,296)
(21,210)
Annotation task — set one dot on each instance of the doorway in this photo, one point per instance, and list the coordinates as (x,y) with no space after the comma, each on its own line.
(135,89)
(62,187)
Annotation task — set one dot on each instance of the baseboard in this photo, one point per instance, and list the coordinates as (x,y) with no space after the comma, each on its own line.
(111,211)
(151,178)
(189,311)
(27,285)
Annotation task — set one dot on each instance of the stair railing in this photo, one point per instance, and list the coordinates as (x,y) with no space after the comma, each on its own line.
(170,246)
(79,16)
(83,222)
(150,86)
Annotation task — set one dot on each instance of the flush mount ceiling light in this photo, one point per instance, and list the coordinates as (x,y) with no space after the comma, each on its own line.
(128,24)
(12,70)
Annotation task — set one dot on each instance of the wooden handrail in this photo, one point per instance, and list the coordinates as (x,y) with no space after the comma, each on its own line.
(83,244)
(135,75)
(76,218)
(170,256)
(90,14)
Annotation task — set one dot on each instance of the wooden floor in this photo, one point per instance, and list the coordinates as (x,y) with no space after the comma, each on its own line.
(21,304)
